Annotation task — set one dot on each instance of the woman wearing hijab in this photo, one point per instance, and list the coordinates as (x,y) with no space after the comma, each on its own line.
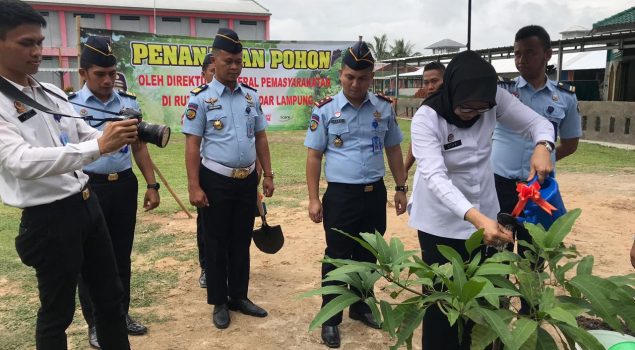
(454,193)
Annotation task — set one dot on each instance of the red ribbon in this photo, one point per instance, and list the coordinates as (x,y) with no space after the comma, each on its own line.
(525,193)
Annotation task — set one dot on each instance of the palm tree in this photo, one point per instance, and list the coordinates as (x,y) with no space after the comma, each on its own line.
(402,48)
(380,48)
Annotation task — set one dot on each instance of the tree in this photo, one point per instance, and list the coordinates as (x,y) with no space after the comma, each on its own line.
(402,48)
(380,47)
(480,291)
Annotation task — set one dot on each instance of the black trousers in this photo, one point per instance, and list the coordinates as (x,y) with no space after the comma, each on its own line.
(437,333)
(507,199)
(118,201)
(200,239)
(350,209)
(62,241)
(228,223)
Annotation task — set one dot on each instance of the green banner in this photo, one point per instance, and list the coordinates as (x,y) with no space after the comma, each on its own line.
(289,75)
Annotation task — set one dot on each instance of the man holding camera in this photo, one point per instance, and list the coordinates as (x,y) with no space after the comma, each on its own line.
(111,176)
(226,119)
(43,147)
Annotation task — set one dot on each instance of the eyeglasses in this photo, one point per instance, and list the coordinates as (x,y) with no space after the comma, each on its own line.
(470,110)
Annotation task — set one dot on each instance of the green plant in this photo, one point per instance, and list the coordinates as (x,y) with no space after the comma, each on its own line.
(479,291)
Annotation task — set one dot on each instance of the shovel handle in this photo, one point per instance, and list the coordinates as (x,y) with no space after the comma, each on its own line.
(261,209)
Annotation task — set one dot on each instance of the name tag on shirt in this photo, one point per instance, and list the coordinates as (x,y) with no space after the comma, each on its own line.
(26,115)
(338,121)
(451,145)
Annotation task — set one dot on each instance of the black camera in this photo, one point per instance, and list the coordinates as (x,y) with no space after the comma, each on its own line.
(155,134)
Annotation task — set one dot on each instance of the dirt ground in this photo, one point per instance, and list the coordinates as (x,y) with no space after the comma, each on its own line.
(605,230)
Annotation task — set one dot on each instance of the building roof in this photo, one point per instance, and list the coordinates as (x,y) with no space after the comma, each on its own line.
(570,61)
(445,43)
(575,28)
(626,17)
(222,6)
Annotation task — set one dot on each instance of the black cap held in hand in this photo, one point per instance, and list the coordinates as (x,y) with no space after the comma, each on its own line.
(98,51)
(227,40)
(358,56)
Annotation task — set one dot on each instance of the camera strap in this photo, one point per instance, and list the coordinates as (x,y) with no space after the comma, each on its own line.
(15,94)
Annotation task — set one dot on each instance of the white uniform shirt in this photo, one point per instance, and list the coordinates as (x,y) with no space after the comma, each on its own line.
(454,172)
(35,165)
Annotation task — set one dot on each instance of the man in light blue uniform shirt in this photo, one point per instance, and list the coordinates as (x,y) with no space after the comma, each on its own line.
(553,100)
(111,176)
(352,130)
(224,131)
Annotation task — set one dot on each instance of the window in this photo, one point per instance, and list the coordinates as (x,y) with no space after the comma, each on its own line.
(84,15)
(129,18)
(171,19)
(248,23)
(210,21)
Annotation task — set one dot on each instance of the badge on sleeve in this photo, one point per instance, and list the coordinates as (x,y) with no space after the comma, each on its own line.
(190,113)
(314,123)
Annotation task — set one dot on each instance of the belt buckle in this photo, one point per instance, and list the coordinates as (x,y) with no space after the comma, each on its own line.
(368,188)
(240,173)
(86,194)
(113,177)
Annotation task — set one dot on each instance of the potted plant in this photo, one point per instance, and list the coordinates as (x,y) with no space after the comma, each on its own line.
(479,290)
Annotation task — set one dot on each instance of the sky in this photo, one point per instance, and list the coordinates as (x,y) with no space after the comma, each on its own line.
(424,22)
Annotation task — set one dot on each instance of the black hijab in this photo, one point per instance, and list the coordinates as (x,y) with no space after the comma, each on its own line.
(468,77)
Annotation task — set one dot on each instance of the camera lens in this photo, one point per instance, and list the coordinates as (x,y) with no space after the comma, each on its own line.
(155,134)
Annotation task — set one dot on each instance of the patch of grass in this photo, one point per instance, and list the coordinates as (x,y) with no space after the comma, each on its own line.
(149,286)
(592,158)
(152,240)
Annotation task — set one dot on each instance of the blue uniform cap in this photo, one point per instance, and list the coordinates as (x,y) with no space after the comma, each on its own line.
(227,40)
(358,56)
(98,51)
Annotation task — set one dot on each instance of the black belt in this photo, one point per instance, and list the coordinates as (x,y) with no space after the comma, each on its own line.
(112,177)
(370,187)
(80,196)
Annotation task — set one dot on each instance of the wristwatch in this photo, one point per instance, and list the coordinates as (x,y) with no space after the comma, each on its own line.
(547,144)
(403,188)
(268,174)
(156,186)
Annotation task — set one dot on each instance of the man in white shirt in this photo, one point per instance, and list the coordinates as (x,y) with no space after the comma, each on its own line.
(62,231)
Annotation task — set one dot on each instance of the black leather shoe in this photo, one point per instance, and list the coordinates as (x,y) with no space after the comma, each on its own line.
(220,316)
(331,336)
(202,281)
(247,307)
(134,327)
(366,319)
(92,338)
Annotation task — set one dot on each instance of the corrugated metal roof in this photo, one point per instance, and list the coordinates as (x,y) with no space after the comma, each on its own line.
(570,61)
(445,43)
(624,17)
(222,6)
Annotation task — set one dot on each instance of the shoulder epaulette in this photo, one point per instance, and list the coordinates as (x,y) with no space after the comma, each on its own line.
(566,87)
(71,95)
(127,94)
(505,82)
(323,101)
(197,90)
(248,87)
(383,97)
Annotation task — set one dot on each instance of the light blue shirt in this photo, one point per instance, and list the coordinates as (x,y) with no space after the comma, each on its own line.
(239,112)
(363,131)
(116,161)
(511,152)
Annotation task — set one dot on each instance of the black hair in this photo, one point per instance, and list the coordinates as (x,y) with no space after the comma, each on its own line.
(434,66)
(537,31)
(14,13)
